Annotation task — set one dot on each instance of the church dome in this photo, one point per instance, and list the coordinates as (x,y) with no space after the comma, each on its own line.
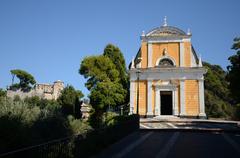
(166,31)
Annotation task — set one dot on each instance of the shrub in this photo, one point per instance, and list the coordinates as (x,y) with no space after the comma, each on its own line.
(108,118)
(78,126)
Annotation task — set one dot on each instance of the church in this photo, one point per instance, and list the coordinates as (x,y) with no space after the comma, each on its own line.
(166,75)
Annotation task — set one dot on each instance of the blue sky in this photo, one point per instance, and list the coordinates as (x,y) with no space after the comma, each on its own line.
(49,38)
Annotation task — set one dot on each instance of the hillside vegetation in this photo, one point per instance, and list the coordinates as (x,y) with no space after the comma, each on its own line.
(217,94)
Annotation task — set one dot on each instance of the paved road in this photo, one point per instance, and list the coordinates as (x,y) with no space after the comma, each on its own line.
(176,123)
(188,125)
(175,144)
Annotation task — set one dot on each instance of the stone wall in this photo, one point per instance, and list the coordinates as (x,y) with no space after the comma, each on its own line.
(45,91)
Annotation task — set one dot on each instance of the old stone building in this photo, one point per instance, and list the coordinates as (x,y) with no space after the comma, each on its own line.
(167,74)
(45,91)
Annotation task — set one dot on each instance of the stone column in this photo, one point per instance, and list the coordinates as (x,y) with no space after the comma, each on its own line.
(149,98)
(132,94)
(149,54)
(201,98)
(174,99)
(182,98)
(159,94)
(157,102)
(176,102)
(181,54)
(173,102)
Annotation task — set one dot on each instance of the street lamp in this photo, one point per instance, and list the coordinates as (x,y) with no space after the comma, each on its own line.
(138,73)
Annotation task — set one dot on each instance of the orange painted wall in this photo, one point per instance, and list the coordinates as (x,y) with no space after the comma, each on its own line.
(172,51)
(191,97)
(142,98)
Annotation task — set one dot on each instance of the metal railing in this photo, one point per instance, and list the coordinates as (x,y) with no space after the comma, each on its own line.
(58,148)
(77,146)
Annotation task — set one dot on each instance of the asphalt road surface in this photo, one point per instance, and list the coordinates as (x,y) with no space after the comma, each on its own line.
(175,144)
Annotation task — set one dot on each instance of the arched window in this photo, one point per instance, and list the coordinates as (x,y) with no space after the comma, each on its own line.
(165,62)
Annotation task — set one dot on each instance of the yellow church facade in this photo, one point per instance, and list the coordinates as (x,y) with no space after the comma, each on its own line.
(166,76)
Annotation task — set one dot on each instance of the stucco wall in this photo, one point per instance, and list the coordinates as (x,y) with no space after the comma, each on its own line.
(191,97)
(172,51)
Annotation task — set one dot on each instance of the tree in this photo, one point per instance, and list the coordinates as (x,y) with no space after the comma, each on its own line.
(115,54)
(26,80)
(103,81)
(234,71)
(70,101)
(217,95)
(98,69)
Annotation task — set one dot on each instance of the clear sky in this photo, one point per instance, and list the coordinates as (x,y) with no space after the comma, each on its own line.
(49,38)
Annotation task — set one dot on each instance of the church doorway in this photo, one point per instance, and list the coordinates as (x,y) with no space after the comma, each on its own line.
(166,102)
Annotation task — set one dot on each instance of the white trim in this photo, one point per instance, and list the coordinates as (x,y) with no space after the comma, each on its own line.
(132,94)
(181,54)
(158,89)
(165,57)
(165,39)
(173,102)
(157,102)
(149,98)
(201,98)
(176,102)
(182,98)
(149,54)
(168,73)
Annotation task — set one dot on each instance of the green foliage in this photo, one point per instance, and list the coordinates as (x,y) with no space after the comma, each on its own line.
(26,80)
(109,118)
(107,94)
(215,80)
(104,81)
(3,93)
(116,56)
(79,126)
(23,111)
(234,71)
(70,100)
(217,98)
(24,123)
(50,105)
(98,69)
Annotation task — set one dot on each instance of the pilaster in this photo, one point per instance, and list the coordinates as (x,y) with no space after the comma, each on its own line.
(157,102)
(149,98)
(201,98)
(182,98)
(132,94)
(181,54)
(149,54)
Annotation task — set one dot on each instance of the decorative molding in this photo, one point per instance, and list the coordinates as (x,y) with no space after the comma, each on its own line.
(168,73)
(158,89)
(168,39)
(165,57)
